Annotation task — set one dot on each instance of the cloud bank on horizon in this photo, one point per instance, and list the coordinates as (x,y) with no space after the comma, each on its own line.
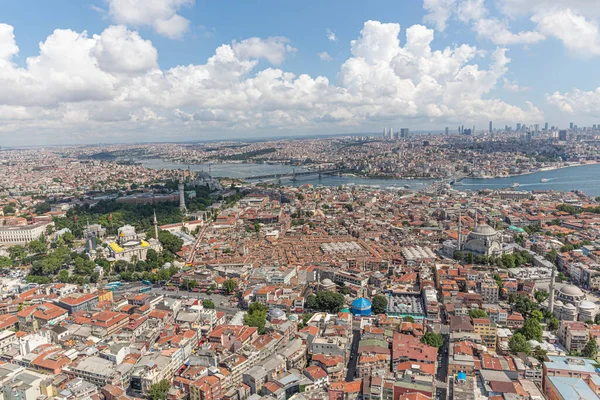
(108,86)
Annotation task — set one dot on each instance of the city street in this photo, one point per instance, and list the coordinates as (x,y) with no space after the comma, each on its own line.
(442,372)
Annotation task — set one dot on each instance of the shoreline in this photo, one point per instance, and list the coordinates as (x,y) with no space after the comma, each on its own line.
(534,172)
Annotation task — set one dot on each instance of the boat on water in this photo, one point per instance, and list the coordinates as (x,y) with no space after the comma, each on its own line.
(406,186)
(544,180)
(516,184)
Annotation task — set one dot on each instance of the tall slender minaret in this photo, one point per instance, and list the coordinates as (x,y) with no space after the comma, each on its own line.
(459,231)
(476,217)
(551,297)
(155,225)
(181,188)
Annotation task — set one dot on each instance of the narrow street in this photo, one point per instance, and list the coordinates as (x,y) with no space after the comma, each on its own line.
(351,373)
(442,371)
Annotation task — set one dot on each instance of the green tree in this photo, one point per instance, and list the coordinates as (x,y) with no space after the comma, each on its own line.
(477,313)
(5,262)
(523,304)
(188,284)
(306,317)
(553,324)
(207,303)
(518,344)
(379,304)
(540,354)
(470,258)
(158,391)
(9,210)
(17,252)
(37,246)
(68,237)
(408,318)
(433,339)
(152,257)
(591,349)
(256,316)
(230,285)
(170,242)
(325,301)
(541,295)
(532,330)
(63,276)
(537,314)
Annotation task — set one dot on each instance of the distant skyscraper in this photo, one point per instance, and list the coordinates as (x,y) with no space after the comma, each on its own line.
(536,128)
(404,133)
(571,125)
(446,130)
(491,126)
(384,133)
(518,127)
(459,131)
(546,127)
(562,135)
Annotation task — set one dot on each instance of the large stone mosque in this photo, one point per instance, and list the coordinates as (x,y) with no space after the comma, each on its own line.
(569,303)
(482,240)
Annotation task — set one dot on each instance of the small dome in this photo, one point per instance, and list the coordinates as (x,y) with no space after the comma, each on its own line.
(276,313)
(484,230)
(558,303)
(361,304)
(570,306)
(570,290)
(587,305)
(326,282)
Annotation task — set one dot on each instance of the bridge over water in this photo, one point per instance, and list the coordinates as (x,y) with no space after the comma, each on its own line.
(295,174)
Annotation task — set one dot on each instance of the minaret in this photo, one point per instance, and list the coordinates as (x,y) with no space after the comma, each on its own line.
(551,297)
(459,231)
(155,226)
(181,188)
(476,217)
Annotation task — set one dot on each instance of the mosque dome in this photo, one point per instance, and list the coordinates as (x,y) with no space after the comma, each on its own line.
(361,306)
(483,230)
(326,282)
(558,303)
(276,313)
(570,290)
(587,305)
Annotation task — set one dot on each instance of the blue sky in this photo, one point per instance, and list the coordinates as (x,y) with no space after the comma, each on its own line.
(123,70)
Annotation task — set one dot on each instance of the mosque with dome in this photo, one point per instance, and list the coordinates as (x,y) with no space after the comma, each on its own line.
(482,240)
(569,303)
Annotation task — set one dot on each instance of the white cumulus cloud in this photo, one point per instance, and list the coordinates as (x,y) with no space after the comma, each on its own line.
(577,102)
(161,15)
(574,22)
(110,86)
(324,56)
(274,49)
(120,50)
(331,35)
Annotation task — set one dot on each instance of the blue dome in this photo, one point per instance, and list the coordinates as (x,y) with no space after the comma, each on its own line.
(361,303)
(361,306)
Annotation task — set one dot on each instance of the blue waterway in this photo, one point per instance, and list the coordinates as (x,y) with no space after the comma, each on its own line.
(585,178)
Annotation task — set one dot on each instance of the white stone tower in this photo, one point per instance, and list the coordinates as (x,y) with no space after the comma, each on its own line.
(181,188)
